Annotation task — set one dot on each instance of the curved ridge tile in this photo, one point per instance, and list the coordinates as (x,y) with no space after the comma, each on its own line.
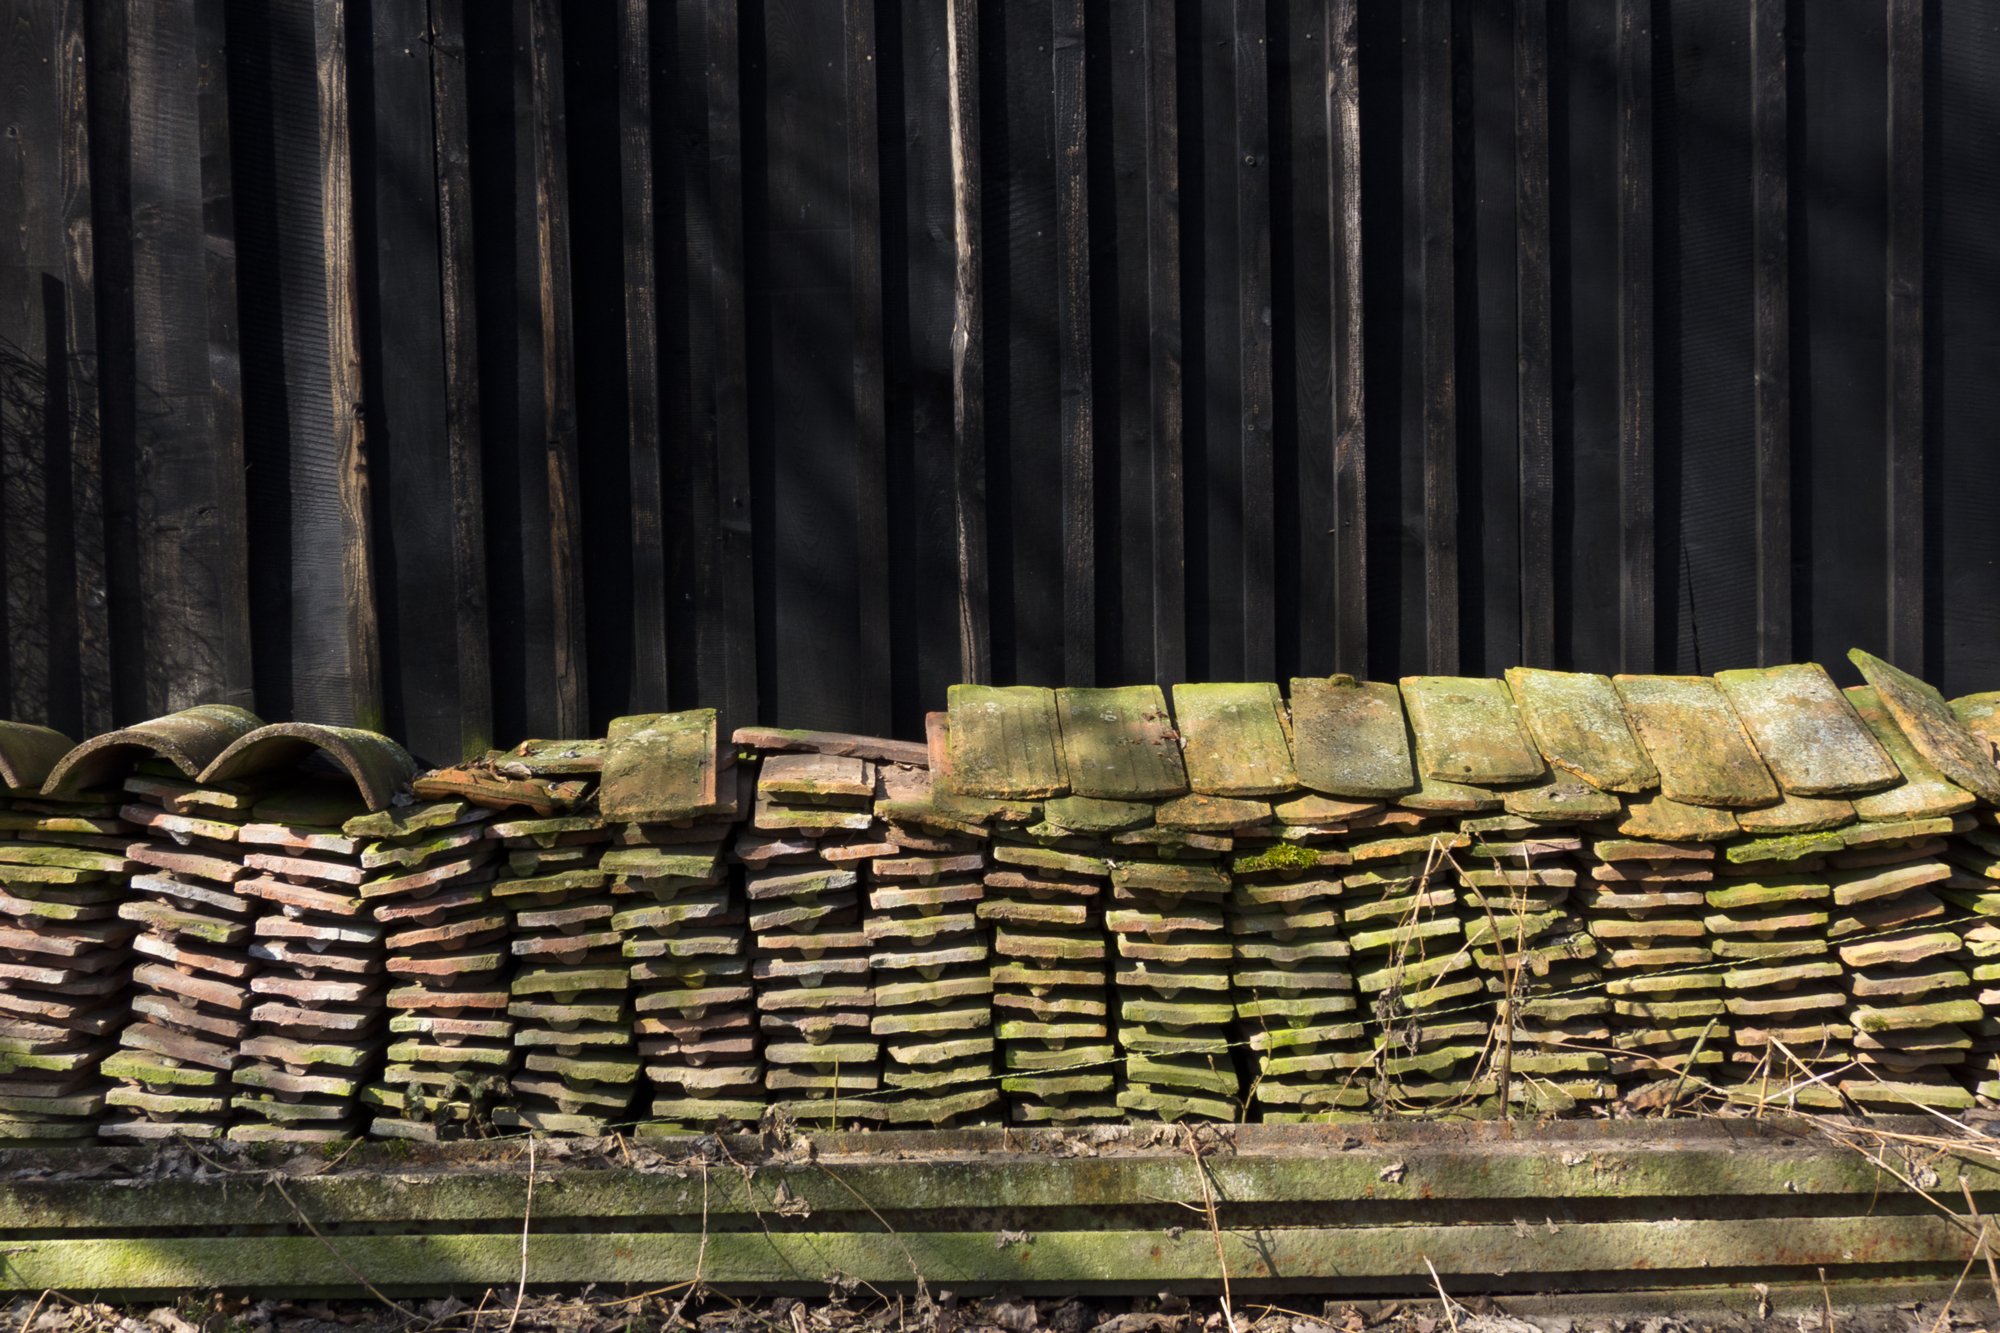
(28,752)
(380,767)
(189,739)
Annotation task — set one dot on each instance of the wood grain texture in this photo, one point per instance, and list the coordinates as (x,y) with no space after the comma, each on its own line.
(1433,55)
(343,296)
(1350,397)
(642,356)
(91,587)
(558,368)
(1168,393)
(450,121)
(735,622)
(1077,426)
(1253,340)
(871,409)
(1636,497)
(1771,259)
(1535,391)
(192,528)
(968,346)
(1905,319)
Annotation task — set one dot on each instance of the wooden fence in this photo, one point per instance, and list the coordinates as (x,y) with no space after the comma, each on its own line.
(485,368)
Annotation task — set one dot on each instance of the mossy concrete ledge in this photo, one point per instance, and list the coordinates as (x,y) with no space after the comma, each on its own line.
(1363,1209)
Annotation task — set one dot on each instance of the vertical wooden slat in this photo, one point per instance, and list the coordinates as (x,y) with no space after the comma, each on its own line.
(1433,58)
(343,294)
(192,530)
(558,368)
(1906,444)
(871,410)
(86,455)
(642,357)
(1079,479)
(1163,244)
(737,607)
(31,368)
(1534,320)
(1635,336)
(968,368)
(1350,460)
(1131,459)
(1770,243)
(451,126)
(1253,231)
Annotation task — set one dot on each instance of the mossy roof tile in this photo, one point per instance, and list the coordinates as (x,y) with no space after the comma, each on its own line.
(1805,731)
(1237,739)
(1696,741)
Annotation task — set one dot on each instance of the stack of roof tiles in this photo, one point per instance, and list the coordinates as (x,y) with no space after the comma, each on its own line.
(64,950)
(930,951)
(314,1031)
(1558,892)
(190,981)
(428,889)
(673,797)
(812,831)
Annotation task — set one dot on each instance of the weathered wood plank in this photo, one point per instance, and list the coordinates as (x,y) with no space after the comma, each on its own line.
(1073,331)
(1905,333)
(343,313)
(1350,471)
(968,363)
(451,157)
(871,412)
(1068,1261)
(1168,393)
(557,425)
(642,354)
(1438,425)
(192,536)
(1636,500)
(1770,245)
(1535,322)
(1253,338)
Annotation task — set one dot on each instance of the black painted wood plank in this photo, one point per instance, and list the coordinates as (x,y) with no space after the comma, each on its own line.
(1490,354)
(649,691)
(803,357)
(89,591)
(1076,426)
(33,429)
(557,369)
(191,519)
(1964,319)
(922,490)
(1839,407)
(736,624)
(1129,433)
(1302,282)
(1253,341)
(351,478)
(1771,259)
(872,679)
(1167,391)
(968,346)
(1433,56)
(1636,499)
(1535,324)
(1906,388)
(458,330)
(1350,465)
(403,370)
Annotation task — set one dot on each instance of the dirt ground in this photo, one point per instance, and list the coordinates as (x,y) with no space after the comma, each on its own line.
(591,1311)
